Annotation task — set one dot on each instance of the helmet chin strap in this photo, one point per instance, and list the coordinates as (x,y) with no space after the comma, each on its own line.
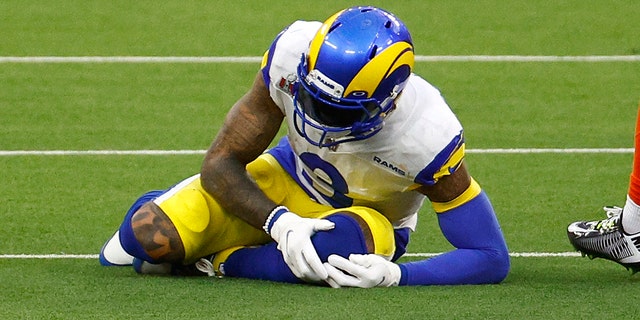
(384,115)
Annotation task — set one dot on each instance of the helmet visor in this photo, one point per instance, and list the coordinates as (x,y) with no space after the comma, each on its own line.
(332,114)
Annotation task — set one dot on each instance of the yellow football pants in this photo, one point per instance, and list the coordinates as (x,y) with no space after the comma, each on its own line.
(205,228)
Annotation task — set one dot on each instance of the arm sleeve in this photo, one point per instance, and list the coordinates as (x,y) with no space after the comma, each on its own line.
(481,255)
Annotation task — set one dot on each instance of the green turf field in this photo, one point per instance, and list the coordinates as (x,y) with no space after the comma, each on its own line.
(66,205)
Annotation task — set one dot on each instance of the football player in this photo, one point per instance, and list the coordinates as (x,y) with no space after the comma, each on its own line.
(335,200)
(617,237)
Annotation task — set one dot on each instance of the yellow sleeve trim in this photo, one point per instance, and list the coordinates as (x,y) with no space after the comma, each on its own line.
(265,59)
(471,192)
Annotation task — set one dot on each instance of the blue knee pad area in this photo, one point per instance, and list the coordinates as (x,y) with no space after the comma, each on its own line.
(266,262)
(127,237)
(346,238)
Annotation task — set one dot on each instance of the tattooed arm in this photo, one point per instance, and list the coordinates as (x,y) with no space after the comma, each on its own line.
(250,126)
(248,129)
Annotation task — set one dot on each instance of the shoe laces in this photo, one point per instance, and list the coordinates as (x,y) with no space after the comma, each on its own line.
(611,222)
(206,266)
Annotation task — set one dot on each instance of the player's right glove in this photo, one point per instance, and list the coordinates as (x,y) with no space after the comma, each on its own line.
(293,235)
(362,270)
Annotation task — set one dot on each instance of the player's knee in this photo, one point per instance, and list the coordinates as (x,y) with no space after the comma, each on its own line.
(148,234)
(500,263)
(357,230)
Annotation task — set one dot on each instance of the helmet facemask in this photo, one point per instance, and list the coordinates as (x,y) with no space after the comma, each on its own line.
(326,120)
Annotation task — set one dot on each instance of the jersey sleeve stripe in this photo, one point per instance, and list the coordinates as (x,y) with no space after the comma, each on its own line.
(452,163)
(445,162)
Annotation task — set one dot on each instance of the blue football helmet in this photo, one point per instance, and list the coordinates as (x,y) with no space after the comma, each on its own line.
(356,66)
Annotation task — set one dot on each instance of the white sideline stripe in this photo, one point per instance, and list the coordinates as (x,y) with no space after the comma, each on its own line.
(48,256)
(199,152)
(250,59)
(97,152)
(95,256)
(553,150)
(517,58)
(130,59)
(512,254)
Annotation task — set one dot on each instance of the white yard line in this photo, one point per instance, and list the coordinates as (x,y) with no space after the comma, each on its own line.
(7,153)
(424,254)
(256,59)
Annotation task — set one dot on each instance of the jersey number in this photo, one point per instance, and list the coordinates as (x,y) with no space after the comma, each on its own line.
(327,180)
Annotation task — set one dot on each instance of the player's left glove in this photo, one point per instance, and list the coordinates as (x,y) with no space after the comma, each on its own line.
(293,235)
(362,270)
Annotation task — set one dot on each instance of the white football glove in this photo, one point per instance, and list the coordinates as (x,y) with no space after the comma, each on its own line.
(362,270)
(293,235)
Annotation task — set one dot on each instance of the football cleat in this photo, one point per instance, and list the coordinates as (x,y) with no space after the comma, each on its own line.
(606,239)
(112,253)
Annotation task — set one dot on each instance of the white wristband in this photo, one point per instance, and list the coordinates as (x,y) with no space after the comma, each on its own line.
(272,217)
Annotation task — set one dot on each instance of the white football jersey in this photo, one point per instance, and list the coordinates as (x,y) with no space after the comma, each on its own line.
(421,141)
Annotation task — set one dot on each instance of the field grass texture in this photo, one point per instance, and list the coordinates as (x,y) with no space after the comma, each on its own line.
(70,204)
